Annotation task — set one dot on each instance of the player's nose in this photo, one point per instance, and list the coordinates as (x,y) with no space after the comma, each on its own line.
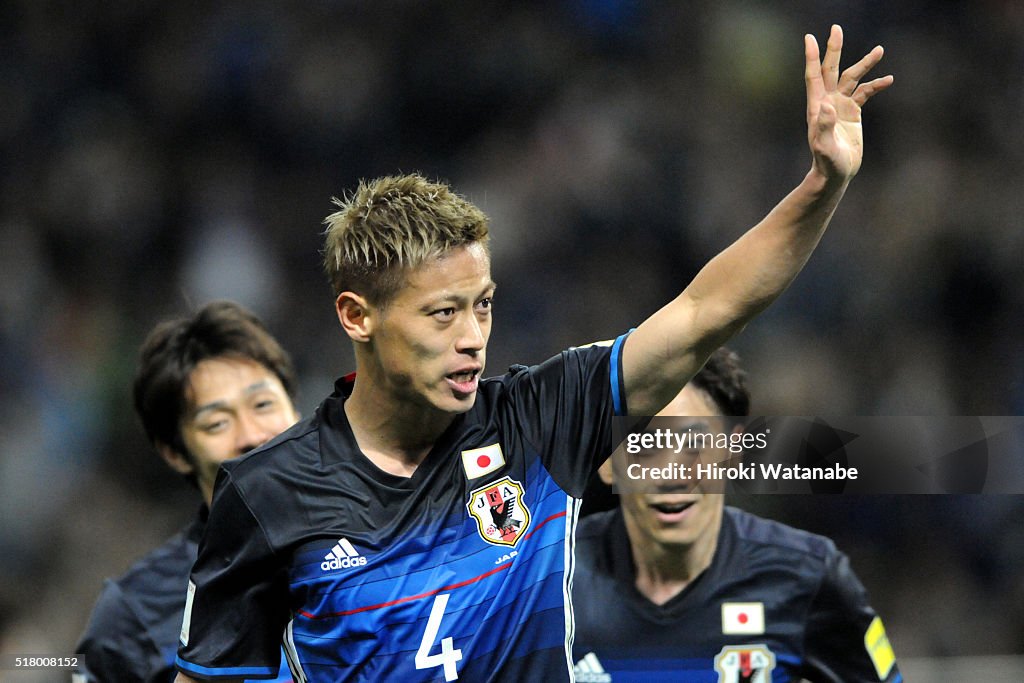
(471,336)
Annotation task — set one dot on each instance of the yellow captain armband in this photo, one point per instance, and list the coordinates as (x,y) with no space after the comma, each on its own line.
(879,649)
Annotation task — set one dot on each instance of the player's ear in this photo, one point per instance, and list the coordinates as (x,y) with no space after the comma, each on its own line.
(605,472)
(355,315)
(177,461)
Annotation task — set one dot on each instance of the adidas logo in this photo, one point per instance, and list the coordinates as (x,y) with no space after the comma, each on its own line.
(342,556)
(589,670)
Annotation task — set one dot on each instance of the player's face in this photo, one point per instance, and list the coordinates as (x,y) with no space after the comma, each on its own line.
(678,514)
(431,343)
(234,405)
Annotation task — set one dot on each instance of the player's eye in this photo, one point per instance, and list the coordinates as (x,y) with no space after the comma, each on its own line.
(265,404)
(485,305)
(214,426)
(443,314)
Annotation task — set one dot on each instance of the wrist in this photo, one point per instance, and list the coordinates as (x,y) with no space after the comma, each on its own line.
(821,183)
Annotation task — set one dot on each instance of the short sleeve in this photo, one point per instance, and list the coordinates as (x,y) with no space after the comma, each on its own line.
(236,609)
(564,407)
(846,640)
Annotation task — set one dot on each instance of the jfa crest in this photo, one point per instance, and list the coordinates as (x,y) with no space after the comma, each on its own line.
(500,512)
(744,664)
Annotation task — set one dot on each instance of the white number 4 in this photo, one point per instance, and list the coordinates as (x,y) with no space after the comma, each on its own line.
(448,655)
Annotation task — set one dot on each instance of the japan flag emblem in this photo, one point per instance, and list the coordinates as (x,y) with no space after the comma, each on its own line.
(743,618)
(479,462)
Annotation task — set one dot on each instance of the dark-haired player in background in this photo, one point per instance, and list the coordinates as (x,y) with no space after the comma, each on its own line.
(207,388)
(676,586)
(420,525)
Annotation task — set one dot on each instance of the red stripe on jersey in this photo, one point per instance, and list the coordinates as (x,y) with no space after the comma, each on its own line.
(453,586)
(410,598)
(537,528)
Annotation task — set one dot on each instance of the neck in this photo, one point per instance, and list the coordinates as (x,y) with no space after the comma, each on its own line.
(394,435)
(664,570)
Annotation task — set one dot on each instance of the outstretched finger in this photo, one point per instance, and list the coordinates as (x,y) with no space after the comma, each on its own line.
(865,91)
(848,81)
(812,75)
(830,64)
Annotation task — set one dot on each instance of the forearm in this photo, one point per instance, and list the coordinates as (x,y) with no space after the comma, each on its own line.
(748,275)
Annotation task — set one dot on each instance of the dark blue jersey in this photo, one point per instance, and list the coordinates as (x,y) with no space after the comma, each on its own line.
(132,633)
(461,571)
(776,604)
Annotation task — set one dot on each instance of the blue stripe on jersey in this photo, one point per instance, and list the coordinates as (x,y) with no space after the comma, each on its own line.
(786,658)
(375,616)
(660,670)
(615,365)
(691,670)
(228,671)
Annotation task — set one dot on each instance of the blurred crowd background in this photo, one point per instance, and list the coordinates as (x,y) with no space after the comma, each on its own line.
(157,155)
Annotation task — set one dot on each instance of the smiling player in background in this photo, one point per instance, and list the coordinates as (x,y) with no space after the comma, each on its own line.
(208,387)
(675,585)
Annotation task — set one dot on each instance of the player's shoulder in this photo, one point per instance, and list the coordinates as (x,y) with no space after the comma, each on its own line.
(753,530)
(495,386)
(493,391)
(573,356)
(112,611)
(163,565)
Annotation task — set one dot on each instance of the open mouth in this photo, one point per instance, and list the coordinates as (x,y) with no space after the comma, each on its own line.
(671,508)
(464,382)
(671,512)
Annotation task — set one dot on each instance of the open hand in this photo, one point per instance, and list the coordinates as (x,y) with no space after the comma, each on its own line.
(834,103)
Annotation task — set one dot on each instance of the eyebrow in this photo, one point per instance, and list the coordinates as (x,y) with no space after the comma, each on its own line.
(456,298)
(222,405)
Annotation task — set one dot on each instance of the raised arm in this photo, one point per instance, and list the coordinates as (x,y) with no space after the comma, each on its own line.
(741,281)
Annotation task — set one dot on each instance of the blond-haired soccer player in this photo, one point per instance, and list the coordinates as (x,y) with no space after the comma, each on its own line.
(420,525)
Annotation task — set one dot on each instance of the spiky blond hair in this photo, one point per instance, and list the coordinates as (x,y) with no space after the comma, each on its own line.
(390,225)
